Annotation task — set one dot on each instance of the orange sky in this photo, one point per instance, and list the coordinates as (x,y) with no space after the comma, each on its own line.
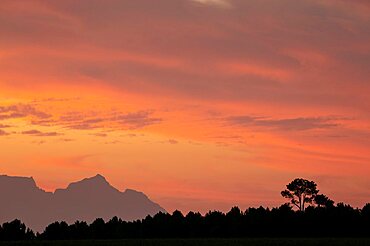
(201,104)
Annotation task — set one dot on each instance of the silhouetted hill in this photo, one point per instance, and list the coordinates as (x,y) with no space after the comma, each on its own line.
(85,200)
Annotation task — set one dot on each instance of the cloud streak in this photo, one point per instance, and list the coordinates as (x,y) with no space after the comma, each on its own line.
(290,124)
(3,133)
(21,111)
(132,120)
(219,3)
(41,134)
(137,120)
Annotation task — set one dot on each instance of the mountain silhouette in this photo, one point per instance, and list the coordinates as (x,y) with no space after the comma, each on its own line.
(85,200)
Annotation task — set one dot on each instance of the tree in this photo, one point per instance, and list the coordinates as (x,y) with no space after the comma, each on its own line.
(300,191)
(15,230)
(365,211)
(56,231)
(323,201)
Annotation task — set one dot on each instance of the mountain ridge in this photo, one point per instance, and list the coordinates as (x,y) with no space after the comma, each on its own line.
(86,199)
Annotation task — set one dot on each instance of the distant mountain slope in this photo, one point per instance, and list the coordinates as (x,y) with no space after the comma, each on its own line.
(86,200)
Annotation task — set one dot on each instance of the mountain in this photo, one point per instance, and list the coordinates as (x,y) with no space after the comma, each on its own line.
(85,200)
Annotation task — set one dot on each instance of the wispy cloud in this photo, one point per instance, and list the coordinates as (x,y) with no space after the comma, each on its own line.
(290,124)
(89,120)
(4,126)
(66,139)
(41,134)
(173,141)
(3,133)
(100,134)
(131,120)
(219,3)
(137,119)
(20,111)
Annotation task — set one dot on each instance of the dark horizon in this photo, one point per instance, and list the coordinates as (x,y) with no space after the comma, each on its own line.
(339,221)
(92,198)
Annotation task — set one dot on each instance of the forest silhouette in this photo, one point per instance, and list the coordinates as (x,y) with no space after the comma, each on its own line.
(321,218)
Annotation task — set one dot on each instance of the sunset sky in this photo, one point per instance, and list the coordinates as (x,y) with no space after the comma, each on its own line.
(200,104)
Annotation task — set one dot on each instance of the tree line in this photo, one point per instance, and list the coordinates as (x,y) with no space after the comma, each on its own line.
(315,216)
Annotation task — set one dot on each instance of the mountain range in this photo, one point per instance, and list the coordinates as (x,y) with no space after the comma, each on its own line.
(84,200)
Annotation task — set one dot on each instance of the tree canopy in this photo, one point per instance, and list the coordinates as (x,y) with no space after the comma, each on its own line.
(300,191)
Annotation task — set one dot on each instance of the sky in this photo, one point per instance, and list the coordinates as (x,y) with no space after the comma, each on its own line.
(200,104)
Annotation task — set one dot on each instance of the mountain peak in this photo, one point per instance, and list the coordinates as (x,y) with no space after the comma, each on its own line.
(98,177)
(25,181)
(95,183)
(98,180)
